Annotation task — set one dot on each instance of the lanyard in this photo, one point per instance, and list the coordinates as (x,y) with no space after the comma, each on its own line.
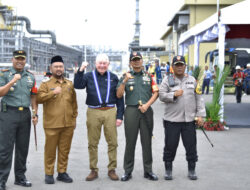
(98,90)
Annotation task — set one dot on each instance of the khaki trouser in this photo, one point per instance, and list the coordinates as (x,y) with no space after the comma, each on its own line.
(95,119)
(57,138)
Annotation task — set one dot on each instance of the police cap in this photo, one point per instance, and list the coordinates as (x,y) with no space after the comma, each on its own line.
(178,59)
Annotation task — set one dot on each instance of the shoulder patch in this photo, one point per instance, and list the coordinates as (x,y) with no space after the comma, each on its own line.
(198,89)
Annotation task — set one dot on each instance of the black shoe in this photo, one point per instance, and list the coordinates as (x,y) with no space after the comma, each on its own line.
(64,177)
(23,182)
(150,176)
(126,177)
(2,186)
(191,171)
(168,168)
(192,175)
(49,179)
(168,175)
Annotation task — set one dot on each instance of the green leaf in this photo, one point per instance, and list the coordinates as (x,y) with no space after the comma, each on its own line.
(213,108)
(196,72)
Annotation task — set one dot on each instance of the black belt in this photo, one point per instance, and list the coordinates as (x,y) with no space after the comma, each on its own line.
(17,108)
(136,106)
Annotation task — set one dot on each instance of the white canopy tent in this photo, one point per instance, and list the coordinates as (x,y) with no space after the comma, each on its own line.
(233,28)
(233,19)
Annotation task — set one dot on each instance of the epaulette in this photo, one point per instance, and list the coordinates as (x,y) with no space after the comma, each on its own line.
(67,80)
(29,72)
(46,79)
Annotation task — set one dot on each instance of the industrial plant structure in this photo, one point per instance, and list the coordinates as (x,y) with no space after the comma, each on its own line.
(13,31)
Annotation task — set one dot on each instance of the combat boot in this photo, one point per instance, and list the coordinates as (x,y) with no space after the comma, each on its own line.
(191,171)
(168,168)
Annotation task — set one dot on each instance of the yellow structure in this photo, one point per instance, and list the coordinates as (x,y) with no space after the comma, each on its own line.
(6,12)
(191,13)
(2,25)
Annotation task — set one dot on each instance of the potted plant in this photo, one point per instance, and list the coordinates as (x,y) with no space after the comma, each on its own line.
(213,117)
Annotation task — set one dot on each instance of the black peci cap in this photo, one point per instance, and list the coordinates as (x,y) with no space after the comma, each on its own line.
(56,58)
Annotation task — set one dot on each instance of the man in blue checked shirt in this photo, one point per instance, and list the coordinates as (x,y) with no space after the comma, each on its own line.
(101,99)
(206,80)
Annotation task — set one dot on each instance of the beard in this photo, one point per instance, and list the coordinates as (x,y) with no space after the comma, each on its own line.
(58,75)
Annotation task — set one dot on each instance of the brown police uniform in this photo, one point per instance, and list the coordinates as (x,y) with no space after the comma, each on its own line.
(59,121)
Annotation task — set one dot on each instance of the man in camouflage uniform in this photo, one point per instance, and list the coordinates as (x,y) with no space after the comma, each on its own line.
(141,91)
(18,90)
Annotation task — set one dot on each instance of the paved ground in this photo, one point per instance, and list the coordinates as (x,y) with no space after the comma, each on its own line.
(224,167)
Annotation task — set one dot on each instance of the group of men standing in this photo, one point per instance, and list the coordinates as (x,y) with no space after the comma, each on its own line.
(105,108)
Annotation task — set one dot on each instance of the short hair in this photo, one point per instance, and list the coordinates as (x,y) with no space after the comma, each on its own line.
(102,57)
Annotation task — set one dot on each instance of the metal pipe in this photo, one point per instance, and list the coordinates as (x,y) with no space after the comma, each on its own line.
(28,28)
